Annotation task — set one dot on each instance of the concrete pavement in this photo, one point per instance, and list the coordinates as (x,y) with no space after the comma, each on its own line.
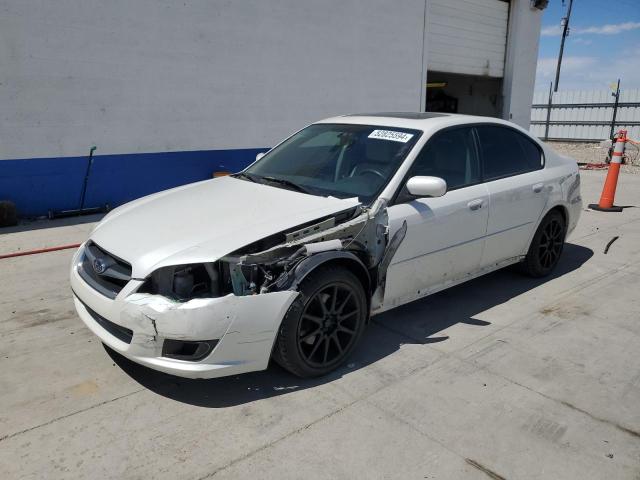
(502,377)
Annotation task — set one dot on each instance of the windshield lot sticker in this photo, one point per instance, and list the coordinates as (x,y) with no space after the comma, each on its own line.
(391,135)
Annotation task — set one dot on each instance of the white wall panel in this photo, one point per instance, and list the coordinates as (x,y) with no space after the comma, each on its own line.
(159,75)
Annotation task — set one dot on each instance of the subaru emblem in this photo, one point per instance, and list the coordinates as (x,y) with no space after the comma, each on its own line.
(99,265)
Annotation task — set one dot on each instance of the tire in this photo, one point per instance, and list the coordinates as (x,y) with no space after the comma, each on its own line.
(324,324)
(546,246)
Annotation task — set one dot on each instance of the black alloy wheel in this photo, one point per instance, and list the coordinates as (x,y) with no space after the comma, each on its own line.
(550,245)
(323,325)
(328,324)
(546,246)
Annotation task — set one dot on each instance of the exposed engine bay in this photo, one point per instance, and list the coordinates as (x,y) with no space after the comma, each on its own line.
(279,262)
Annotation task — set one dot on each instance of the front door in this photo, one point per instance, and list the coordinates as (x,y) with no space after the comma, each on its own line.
(445,235)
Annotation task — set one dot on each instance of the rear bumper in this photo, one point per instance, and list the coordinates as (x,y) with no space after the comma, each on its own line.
(245,327)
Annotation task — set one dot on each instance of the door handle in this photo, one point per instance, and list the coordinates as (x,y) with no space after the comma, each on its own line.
(537,188)
(475,204)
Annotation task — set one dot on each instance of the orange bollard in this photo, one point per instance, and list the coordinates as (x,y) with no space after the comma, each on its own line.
(610,184)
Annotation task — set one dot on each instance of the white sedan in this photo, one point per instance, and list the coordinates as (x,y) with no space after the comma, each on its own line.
(347,218)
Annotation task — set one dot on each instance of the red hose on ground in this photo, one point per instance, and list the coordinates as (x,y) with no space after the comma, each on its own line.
(593,166)
(40,250)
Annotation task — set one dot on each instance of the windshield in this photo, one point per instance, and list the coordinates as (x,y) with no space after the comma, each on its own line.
(343,161)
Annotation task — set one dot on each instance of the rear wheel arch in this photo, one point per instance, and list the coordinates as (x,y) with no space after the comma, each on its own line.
(562,210)
(547,244)
(559,208)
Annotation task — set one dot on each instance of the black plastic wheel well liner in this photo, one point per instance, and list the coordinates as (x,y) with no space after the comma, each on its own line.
(343,258)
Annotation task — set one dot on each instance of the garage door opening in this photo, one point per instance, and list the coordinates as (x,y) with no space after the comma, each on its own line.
(467,46)
(470,94)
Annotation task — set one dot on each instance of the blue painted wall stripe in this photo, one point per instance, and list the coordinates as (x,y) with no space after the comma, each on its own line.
(38,185)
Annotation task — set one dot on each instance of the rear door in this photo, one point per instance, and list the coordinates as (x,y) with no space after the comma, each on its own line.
(511,165)
(445,235)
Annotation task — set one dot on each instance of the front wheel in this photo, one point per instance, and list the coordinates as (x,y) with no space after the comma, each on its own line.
(546,246)
(324,324)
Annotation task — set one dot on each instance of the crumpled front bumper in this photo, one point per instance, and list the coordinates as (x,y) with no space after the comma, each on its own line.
(245,327)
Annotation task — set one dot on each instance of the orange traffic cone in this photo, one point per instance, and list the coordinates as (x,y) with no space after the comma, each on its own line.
(610,184)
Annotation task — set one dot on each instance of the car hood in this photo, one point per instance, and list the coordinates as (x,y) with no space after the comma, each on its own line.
(204,221)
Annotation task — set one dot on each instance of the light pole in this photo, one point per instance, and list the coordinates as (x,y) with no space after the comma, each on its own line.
(565,34)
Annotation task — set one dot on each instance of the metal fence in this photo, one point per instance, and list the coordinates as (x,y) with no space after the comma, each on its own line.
(585,115)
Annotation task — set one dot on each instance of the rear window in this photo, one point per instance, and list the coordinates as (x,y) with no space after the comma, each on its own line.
(507,152)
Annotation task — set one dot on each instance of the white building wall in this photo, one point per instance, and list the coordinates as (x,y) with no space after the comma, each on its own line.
(172,91)
(159,75)
(521,61)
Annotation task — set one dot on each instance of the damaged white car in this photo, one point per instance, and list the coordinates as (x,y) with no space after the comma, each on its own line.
(349,217)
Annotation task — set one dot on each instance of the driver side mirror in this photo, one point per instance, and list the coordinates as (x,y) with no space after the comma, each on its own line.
(260,155)
(427,186)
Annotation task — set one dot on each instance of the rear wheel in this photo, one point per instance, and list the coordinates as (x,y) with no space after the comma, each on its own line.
(324,324)
(546,246)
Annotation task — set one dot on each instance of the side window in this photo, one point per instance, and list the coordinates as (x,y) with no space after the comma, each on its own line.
(506,152)
(449,155)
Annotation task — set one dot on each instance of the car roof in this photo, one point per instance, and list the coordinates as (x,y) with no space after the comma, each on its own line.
(415,120)
(407,115)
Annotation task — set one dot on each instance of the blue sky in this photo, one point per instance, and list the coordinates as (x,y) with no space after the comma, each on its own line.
(604,44)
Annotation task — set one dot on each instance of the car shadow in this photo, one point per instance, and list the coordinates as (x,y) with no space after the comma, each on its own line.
(416,323)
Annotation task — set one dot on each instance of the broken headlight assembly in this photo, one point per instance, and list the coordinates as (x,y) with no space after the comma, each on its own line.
(185,282)
(204,280)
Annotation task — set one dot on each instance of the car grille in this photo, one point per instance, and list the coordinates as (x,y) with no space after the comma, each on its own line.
(102,271)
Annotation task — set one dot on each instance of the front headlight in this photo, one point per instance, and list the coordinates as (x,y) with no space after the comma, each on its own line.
(184,282)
